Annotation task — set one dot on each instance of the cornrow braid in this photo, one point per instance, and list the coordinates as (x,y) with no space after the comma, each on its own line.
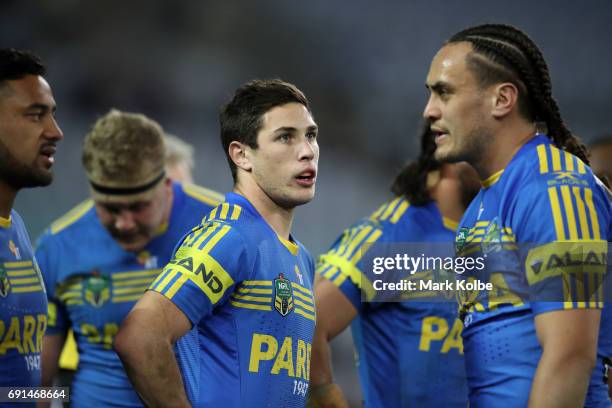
(505,53)
(411,181)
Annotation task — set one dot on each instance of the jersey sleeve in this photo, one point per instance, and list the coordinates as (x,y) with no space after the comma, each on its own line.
(565,217)
(46,252)
(205,267)
(342,263)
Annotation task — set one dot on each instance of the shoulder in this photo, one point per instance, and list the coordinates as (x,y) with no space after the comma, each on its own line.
(200,195)
(73,218)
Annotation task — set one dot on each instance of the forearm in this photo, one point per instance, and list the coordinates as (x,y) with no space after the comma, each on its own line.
(320,362)
(560,382)
(150,364)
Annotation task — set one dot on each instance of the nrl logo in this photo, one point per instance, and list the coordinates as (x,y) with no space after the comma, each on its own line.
(5,284)
(461,238)
(283,295)
(97,290)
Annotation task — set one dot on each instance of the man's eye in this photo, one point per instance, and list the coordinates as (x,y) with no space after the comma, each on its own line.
(36,116)
(311,135)
(285,137)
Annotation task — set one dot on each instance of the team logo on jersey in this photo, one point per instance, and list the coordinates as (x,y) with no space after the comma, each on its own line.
(283,295)
(97,290)
(299,275)
(14,249)
(566,177)
(5,284)
(461,238)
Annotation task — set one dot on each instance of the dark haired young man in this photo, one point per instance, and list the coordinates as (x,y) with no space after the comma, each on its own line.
(410,352)
(28,138)
(533,339)
(240,280)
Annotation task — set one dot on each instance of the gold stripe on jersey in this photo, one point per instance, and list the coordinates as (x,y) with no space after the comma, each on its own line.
(123,291)
(216,238)
(569,212)
(305,291)
(161,283)
(17,265)
(5,222)
(132,282)
(23,281)
(492,179)
(372,238)
(354,274)
(71,216)
(257,283)
(556,158)
(584,226)
(581,166)
(557,215)
(339,280)
(542,158)
(392,206)
(300,295)
(177,285)
(401,209)
(224,211)
(26,289)
(305,314)
(304,305)
(450,224)
(588,194)
(20,272)
(569,161)
(262,299)
(236,210)
(202,194)
(213,214)
(266,308)
(197,237)
(135,274)
(376,214)
(256,291)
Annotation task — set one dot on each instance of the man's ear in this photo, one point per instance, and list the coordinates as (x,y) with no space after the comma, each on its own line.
(505,99)
(239,155)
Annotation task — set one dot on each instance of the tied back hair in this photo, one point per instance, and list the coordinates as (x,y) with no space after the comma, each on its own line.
(503,53)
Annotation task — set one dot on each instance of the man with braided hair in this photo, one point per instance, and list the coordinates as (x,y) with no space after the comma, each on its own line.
(533,339)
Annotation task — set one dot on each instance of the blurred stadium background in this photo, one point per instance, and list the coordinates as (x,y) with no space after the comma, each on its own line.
(361,63)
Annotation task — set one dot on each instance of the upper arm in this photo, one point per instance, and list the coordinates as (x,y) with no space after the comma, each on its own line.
(155,313)
(334,311)
(52,348)
(569,333)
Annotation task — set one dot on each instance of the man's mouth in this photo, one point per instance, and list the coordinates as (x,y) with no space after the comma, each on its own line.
(306,178)
(439,135)
(47,151)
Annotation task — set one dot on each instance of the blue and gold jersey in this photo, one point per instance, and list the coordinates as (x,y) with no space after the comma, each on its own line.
(523,221)
(23,307)
(409,353)
(248,295)
(93,284)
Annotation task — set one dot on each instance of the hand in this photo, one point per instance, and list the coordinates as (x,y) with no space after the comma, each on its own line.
(326,396)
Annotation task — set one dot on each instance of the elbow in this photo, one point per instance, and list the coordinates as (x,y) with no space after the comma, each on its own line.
(124,342)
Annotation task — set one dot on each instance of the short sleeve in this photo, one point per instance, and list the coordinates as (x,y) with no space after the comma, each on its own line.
(564,219)
(206,265)
(342,263)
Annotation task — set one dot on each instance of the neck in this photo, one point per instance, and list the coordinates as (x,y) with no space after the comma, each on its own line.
(446,192)
(7,199)
(504,145)
(278,217)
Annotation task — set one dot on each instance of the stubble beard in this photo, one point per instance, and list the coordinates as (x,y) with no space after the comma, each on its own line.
(19,175)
